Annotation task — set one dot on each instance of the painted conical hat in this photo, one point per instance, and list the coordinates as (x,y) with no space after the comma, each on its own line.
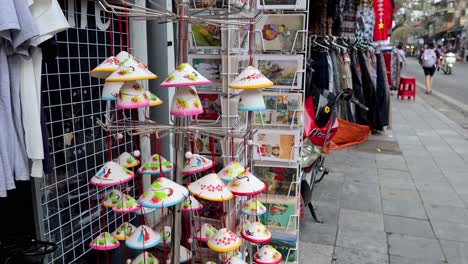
(243,224)
(144,237)
(104,241)
(224,257)
(191,204)
(195,163)
(184,75)
(186,102)
(231,170)
(163,193)
(251,100)
(105,68)
(145,258)
(126,160)
(224,240)
(130,70)
(205,232)
(145,210)
(111,174)
(256,233)
(127,205)
(210,187)
(132,95)
(124,231)
(253,207)
(250,78)
(267,255)
(152,167)
(185,255)
(153,99)
(235,260)
(166,234)
(110,91)
(112,198)
(246,185)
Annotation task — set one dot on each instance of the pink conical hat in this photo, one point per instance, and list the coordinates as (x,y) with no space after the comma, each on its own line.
(112,198)
(126,160)
(210,187)
(132,95)
(253,207)
(250,78)
(256,233)
(267,255)
(104,241)
(205,232)
(163,193)
(127,205)
(184,75)
(231,170)
(246,185)
(124,231)
(195,163)
(131,70)
(111,174)
(152,167)
(191,204)
(144,237)
(145,258)
(186,102)
(224,240)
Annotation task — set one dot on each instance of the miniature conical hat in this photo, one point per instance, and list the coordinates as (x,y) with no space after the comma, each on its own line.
(145,258)
(210,187)
(231,170)
(132,95)
(111,174)
(256,233)
(251,100)
(205,232)
(224,240)
(111,90)
(186,102)
(127,205)
(244,224)
(210,262)
(250,78)
(152,167)
(195,163)
(112,198)
(184,75)
(166,234)
(267,255)
(105,68)
(124,231)
(144,211)
(253,207)
(131,70)
(224,257)
(144,237)
(163,193)
(246,185)
(104,241)
(191,204)
(126,160)
(154,100)
(185,255)
(235,260)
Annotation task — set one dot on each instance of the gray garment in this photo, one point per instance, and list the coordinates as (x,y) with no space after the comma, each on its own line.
(336,77)
(331,86)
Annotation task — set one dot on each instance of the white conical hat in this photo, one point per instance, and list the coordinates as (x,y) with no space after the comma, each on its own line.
(267,255)
(186,102)
(184,75)
(110,91)
(253,207)
(166,234)
(205,232)
(230,171)
(243,224)
(127,204)
(195,163)
(124,231)
(126,160)
(191,204)
(112,198)
(185,255)
(144,237)
(105,68)
(224,257)
(163,193)
(256,233)
(224,240)
(145,258)
(210,187)
(111,174)
(104,241)
(152,167)
(250,78)
(246,185)
(251,100)
(130,70)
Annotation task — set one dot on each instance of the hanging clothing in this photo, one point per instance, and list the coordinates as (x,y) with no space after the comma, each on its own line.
(348,22)
(365,20)
(381,94)
(360,115)
(368,89)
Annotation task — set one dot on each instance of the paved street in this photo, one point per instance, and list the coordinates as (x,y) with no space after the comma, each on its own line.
(399,198)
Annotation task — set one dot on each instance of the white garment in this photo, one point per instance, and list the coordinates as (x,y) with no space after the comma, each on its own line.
(49,19)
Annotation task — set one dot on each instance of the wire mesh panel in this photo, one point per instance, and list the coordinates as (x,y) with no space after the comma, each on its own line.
(78,146)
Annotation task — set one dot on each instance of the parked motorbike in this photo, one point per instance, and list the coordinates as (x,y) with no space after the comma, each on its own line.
(447,63)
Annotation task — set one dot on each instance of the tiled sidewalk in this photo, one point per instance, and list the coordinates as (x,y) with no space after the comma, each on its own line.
(399,198)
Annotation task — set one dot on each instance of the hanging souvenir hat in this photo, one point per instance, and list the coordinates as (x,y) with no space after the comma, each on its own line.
(185,255)
(130,70)
(124,231)
(144,237)
(127,205)
(126,160)
(253,207)
(132,95)
(231,170)
(246,184)
(184,75)
(195,163)
(210,262)
(145,258)
(163,193)
(224,257)
(224,240)
(251,100)
(152,167)
(205,232)
(111,174)
(210,187)
(104,241)
(267,255)
(112,198)
(191,204)
(256,233)
(235,260)
(144,211)
(250,78)
(111,90)
(105,68)
(154,100)
(244,224)
(186,102)
(166,234)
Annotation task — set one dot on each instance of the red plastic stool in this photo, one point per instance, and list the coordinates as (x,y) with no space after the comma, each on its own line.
(407,88)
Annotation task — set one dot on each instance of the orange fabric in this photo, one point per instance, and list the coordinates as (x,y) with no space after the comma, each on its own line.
(349,134)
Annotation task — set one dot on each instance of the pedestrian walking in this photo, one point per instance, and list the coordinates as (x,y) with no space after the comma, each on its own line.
(402,55)
(429,61)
